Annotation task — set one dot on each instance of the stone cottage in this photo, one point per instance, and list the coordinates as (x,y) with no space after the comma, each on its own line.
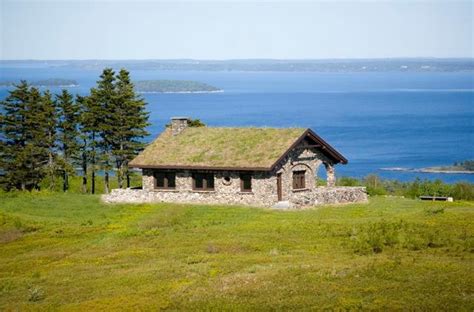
(269,167)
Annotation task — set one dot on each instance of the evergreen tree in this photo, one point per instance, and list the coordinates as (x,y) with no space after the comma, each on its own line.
(91,121)
(40,137)
(105,101)
(14,136)
(37,155)
(49,119)
(68,133)
(25,137)
(130,121)
(84,142)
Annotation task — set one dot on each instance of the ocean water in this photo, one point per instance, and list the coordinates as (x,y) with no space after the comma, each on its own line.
(376,120)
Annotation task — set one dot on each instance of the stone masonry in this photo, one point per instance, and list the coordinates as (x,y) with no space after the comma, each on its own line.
(264,186)
(178,124)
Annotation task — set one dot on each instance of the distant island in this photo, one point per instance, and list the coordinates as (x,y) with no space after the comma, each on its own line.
(174,86)
(466,167)
(282,65)
(265,65)
(51,82)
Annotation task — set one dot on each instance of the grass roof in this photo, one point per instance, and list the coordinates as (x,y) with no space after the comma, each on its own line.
(219,147)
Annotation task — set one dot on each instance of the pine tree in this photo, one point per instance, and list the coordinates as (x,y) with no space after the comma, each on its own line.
(105,101)
(49,119)
(130,121)
(14,136)
(84,142)
(37,155)
(68,133)
(26,140)
(91,122)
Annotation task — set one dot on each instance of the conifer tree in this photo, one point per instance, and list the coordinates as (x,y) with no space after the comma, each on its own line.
(14,136)
(130,121)
(68,133)
(84,142)
(36,156)
(25,137)
(49,119)
(91,121)
(104,100)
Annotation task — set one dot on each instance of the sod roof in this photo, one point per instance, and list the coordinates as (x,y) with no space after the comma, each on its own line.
(223,148)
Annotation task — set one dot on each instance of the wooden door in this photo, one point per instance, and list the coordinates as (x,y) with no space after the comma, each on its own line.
(279,186)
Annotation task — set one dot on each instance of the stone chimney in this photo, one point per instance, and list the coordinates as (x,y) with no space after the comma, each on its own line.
(178,124)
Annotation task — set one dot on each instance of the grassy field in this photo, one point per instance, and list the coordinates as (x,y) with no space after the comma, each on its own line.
(71,252)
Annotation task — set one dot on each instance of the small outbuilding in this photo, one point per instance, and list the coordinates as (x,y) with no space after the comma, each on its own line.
(251,166)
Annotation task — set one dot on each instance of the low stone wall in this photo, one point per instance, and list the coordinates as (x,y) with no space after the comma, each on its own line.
(318,196)
(201,197)
(328,195)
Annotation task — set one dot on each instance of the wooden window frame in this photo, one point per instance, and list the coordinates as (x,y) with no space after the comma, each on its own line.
(299,180)
(206,177)
(167,176)
(242,182)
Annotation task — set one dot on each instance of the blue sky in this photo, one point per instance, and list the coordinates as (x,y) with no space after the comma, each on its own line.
(231,30)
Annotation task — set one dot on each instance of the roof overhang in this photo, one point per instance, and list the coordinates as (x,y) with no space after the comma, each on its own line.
(325,148)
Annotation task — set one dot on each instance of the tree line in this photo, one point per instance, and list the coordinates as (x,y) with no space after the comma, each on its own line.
(44,137)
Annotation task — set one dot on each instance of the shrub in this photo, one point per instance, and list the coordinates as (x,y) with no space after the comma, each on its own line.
(374,185)
(348,181)
(462,190)
(35,294)
(374,237)
(212,249)
(434,211)
(377,186)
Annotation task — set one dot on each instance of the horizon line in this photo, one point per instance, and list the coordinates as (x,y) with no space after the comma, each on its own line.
(249,59)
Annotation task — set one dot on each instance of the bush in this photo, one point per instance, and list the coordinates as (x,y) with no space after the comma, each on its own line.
(374,185)
(348,181)
(377,186)
(374,237)
(462,190)
(35,294)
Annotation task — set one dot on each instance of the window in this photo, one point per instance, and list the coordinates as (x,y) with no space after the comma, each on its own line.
(299,179)
(203,181)
(165,180)
(226,180)
(245,183)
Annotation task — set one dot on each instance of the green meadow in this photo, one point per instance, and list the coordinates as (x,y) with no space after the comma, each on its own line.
(72,252)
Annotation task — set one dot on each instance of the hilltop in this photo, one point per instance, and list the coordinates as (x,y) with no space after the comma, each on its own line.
(72,252)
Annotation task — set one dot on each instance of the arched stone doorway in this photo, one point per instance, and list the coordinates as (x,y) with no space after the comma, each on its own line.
(326,175)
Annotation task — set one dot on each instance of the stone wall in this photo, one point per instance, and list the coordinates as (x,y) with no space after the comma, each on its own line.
(264,185)
(328,195)
(303,157)
(309,198)
(226,189)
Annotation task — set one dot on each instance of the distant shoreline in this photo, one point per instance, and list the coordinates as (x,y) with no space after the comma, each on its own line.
(42,86)
(181,92)
(428,170)
(174,86)
(338,65)
(44,83)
